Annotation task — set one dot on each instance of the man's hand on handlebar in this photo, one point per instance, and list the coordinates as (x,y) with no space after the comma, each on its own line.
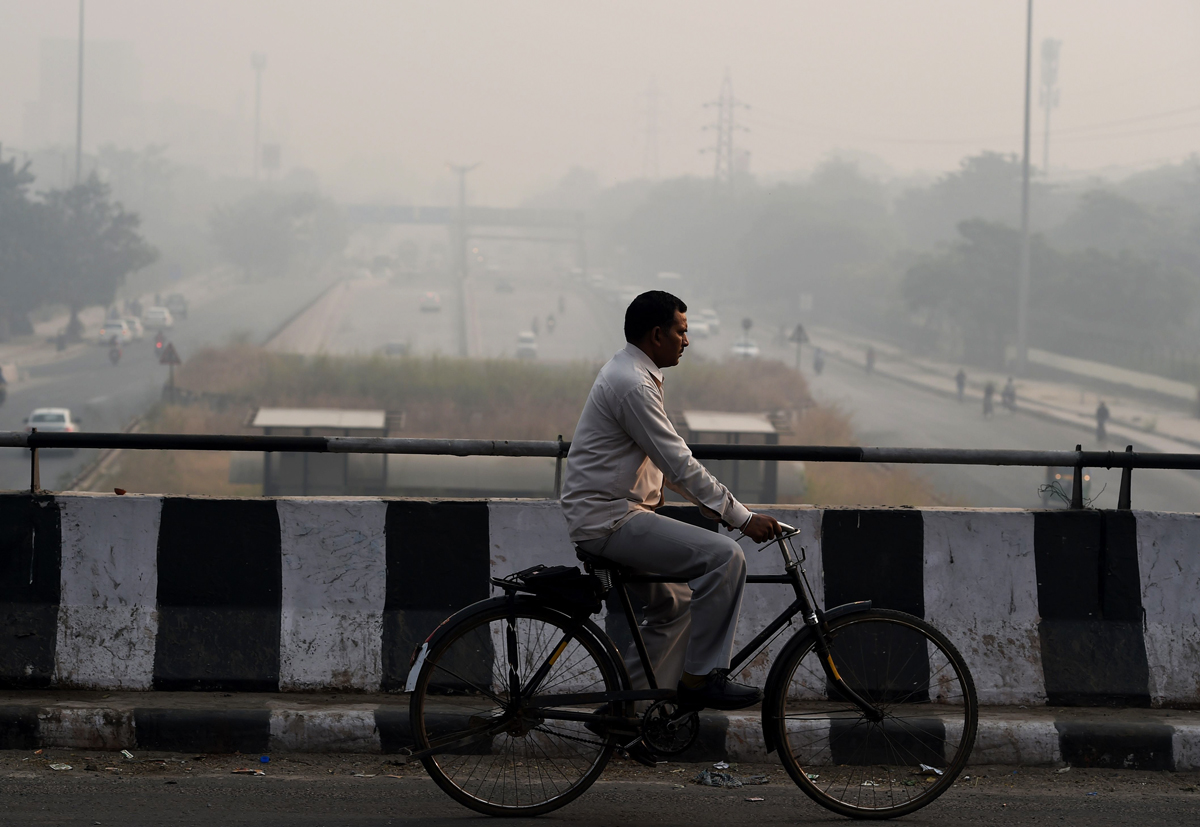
(760,528)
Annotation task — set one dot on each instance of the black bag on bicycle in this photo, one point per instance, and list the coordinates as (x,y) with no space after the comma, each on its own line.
(564,587)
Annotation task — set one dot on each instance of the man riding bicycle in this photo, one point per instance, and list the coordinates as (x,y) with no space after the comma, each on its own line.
(623,452)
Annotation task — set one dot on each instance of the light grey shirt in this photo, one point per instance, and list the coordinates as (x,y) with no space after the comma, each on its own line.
(625,449)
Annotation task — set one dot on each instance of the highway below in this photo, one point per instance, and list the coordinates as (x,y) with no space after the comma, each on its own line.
(105,396)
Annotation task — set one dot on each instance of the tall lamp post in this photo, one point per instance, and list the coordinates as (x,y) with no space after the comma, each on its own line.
(79,105)
(1023,272)
(461,171)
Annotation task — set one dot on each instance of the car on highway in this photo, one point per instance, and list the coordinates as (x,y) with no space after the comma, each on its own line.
(159,317)
(1060,484)
(114,329)
(431,302)
(710,317)
(53,420)
(698,329)
(527,347)
(745,349)
(177,303)
(136,330)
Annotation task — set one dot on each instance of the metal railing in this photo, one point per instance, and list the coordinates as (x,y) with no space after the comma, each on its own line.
(1078,459)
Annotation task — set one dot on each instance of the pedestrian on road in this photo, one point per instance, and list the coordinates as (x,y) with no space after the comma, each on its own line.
(870,358)
(1101,420)
(818,361)
(960,382)
(989,390)
(1008,396)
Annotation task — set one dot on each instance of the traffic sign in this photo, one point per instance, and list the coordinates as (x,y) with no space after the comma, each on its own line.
(798,335)
(169,356)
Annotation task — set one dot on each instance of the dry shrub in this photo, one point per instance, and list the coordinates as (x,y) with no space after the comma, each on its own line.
(180,472)
(840,483)
(493,399)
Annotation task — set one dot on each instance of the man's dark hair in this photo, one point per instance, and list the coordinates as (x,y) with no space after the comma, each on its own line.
(654,308)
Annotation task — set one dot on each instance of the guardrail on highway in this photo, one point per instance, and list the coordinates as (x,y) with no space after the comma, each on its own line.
(1078,459)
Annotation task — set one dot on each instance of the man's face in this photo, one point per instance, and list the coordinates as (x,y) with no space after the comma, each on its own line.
(668,343)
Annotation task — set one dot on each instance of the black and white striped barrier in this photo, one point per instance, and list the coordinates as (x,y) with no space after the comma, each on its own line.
(148,592)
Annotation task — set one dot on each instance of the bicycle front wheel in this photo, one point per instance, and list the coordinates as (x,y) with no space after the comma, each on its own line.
(876,769)
(495,756)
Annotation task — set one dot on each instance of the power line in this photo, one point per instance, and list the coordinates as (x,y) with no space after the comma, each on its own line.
(1067,132)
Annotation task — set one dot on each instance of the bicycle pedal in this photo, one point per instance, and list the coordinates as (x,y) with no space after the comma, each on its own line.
(635,750)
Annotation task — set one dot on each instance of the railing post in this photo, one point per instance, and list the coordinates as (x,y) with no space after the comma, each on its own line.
(35,473)
(1077,482)
(1123,499)
(558,463)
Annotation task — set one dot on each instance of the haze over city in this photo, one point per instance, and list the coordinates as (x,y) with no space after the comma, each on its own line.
(376,97)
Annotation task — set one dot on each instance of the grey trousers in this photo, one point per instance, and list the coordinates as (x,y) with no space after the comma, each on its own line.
(687,626)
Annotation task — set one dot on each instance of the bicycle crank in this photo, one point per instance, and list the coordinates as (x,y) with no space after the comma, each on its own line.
(668,730)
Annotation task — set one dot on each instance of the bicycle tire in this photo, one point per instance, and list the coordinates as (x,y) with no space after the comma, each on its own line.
(531,767)
(853,766)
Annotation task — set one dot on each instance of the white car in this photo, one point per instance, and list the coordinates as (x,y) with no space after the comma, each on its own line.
(114,329)
(527,347)
(710,317)
(52,420)
(135,328)
(431,302)
(158,317)
(698,329)
(745,349)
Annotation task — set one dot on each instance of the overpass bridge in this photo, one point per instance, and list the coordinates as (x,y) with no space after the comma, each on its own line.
(539,226)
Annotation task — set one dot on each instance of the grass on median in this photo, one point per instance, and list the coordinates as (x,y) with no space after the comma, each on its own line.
(484,399)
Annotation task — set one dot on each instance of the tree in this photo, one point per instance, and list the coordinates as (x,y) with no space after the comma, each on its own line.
(1080,299)
(273,233)
(73,247)
(21,223)
(95,244)
(986,186)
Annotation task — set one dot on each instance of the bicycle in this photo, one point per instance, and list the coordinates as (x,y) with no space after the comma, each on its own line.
(518,702)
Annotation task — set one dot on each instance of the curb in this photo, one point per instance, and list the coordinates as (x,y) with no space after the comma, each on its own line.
(1139,741)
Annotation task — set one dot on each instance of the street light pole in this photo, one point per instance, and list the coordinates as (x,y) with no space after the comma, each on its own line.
(461,170)
(1023,272)
(259,62)
(79,105)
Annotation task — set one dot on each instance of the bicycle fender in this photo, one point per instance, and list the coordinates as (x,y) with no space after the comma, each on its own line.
(417,660)
(776,677)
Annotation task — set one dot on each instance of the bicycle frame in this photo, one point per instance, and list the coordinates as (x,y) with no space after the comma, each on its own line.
(524,699)
(803,604)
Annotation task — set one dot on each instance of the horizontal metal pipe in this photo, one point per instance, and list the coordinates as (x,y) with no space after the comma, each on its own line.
(551,448)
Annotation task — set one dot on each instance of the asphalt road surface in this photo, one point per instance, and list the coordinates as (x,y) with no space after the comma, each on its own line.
(105,396)
(889,413)
(311,790)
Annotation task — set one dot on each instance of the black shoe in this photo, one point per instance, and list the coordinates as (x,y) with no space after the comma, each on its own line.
(718,692)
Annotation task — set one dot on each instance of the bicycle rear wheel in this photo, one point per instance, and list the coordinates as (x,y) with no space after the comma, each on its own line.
(501,759)
(864,769)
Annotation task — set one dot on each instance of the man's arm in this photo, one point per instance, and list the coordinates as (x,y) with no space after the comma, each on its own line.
(646,422)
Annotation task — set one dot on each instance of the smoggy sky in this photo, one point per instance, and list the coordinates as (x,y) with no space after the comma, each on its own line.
(377,96)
